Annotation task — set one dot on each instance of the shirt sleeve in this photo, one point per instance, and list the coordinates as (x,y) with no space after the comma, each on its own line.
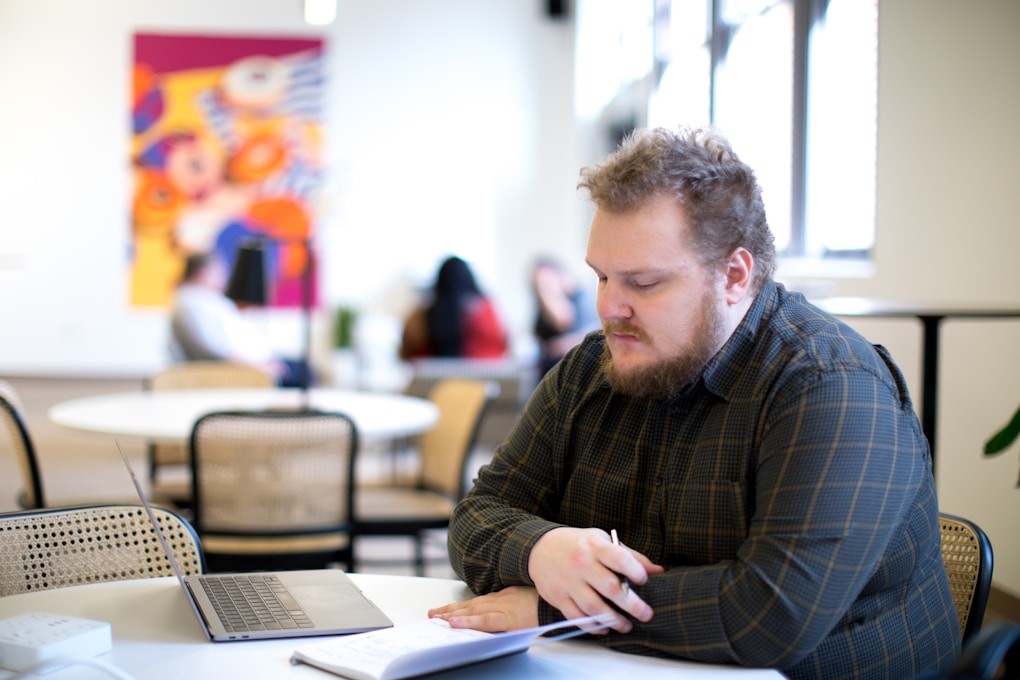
(198,325)
(209,326)
(493,529)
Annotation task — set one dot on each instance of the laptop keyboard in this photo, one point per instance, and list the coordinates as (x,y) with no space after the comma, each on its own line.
(252,602)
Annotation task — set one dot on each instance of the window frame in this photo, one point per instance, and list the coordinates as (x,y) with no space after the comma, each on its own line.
(720,35)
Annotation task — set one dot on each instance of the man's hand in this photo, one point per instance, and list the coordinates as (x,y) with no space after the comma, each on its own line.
(512,608)
(578,570)
(574,570)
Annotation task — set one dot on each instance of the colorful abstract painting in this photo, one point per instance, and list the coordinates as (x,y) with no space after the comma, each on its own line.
(226,146)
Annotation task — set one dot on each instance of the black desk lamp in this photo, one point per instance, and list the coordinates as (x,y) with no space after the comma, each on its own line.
(248,279)
(248,284)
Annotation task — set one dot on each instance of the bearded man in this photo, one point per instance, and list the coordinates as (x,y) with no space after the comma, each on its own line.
(762,463)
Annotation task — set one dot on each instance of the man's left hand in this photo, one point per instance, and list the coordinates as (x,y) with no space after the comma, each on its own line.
(512,608)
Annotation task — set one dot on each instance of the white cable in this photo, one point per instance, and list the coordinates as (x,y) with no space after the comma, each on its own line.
(63,661)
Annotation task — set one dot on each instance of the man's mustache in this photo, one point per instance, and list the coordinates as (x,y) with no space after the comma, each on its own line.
(623,328)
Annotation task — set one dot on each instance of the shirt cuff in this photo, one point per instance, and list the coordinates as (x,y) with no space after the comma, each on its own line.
(513,564)
(548,613)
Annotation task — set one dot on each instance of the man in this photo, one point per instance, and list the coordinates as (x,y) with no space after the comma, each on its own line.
(761,462)
(206,325)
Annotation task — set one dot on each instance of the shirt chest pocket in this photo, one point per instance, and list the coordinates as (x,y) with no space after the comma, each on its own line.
(706,520)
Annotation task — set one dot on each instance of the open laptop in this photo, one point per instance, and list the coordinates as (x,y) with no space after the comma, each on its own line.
(303,603)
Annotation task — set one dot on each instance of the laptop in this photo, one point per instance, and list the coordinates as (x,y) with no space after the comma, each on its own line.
(295,603)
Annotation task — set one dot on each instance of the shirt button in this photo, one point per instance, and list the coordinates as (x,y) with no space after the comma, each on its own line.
(657,481)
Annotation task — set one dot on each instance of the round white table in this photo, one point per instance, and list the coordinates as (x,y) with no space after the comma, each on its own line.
(156,636)
(169,415)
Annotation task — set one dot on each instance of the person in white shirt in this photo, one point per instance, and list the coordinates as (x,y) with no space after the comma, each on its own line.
(207,325)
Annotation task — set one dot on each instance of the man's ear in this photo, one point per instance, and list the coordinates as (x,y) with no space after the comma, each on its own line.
(738,270)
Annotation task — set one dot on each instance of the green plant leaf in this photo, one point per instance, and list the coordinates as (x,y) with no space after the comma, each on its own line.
(343,327)
(1004,437)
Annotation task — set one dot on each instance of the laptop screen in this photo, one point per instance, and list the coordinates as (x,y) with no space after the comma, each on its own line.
(152,516)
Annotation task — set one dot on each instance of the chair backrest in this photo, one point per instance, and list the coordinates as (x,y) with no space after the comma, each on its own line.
(72,546)
(514,378)
(445,448)
(15,435)
(272,473)
(197,374)
(967,554)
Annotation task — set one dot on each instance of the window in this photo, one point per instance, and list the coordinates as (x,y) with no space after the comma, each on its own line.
(793,84)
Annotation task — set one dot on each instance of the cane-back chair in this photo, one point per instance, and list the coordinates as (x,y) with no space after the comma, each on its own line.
(168,462)
(273,489)
(70,546)
(426,504)
(967,554)
(14,436)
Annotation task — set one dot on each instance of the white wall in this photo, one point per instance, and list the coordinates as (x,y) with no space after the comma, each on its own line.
(451,122)
(448,127)
(453,116)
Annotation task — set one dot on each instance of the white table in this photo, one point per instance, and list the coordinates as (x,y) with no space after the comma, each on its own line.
(156,636)
(169,415)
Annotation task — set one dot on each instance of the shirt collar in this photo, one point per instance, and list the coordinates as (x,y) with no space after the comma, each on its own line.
(728,364)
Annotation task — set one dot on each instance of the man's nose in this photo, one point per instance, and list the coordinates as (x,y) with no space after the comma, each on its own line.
(613,303)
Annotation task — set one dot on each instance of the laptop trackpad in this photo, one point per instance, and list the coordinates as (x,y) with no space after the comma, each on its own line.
(330,602)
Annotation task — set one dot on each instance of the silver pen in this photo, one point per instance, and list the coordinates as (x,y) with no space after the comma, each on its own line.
(624,582)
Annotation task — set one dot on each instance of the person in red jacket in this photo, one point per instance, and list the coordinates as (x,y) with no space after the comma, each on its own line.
(458,321)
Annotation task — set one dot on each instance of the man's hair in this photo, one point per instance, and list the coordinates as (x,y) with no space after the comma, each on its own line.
(717,191)
(194,264)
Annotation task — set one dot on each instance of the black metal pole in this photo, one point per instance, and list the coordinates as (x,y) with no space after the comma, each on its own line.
(308,277)
(930,379)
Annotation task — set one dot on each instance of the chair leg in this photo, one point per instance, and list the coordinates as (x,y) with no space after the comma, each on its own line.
(350,557)
(150,450)
(419,554)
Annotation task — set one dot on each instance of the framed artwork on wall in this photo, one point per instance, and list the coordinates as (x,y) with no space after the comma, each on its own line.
(226,146)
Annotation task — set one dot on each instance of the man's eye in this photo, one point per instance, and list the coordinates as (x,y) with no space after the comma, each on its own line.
(641,285)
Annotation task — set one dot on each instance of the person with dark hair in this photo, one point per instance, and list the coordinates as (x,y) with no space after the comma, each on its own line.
(565,312)
(458,321)
(761,462)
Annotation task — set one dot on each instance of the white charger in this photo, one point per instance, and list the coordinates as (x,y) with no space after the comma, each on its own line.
(32,639)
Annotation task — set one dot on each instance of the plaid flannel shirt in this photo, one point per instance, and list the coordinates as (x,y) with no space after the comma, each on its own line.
(788,492)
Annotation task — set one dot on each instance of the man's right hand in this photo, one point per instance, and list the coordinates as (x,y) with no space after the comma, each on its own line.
(578,570)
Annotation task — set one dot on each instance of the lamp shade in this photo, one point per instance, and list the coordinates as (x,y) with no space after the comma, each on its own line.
(248,279)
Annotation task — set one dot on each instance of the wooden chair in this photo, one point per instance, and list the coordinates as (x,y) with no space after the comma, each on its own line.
(413,509)
(14,435)
(967,554)
(72,546)
(168,462)
(514,378)
(273,489)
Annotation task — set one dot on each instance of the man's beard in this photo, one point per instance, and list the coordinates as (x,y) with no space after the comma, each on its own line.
(668,377)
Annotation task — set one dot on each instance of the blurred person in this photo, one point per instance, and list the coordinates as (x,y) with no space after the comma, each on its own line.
(458,320)
(206,325)
(761,461)
(565,314)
